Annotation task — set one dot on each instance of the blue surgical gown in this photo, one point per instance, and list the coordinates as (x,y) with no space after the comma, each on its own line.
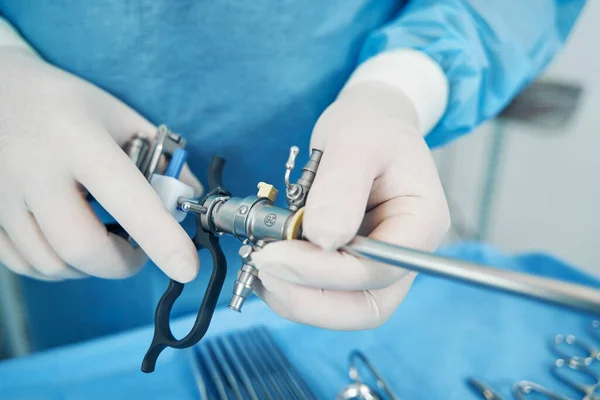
(248,79)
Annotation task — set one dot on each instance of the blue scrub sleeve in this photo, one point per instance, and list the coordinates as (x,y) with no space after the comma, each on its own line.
(489,49)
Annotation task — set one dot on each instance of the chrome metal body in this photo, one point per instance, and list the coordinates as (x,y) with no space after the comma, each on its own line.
(566,294)
(244,285)
(256,218)
(253,218)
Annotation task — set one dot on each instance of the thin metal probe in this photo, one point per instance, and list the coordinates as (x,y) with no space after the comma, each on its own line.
(198,378)
(254,355)
(248,362)
(295,378)
(483,389)
(213,372)
(237,365)
(278,370)
(190,206)
(583,298)
(225,367)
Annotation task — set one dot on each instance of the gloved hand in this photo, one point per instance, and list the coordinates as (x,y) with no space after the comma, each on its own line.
(376,178)
(59,134)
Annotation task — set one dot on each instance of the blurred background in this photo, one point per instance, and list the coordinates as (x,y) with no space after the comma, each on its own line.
(534,185)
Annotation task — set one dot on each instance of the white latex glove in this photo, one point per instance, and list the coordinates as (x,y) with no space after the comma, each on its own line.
(59,134)
(376,178)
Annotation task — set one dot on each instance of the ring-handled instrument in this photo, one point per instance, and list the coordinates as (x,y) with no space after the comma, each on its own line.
(564,370)
(572,348)
(255,220)
(358,389)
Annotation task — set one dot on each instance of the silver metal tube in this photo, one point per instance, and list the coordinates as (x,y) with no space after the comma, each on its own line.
(566,294)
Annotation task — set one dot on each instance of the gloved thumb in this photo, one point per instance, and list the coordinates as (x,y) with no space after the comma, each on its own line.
(338,197)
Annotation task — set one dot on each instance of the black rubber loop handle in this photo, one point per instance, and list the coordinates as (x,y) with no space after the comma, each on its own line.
(215,173)
(163,336)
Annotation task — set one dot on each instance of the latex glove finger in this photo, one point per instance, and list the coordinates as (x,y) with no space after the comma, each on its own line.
(328,309)
(116,183)
(14,261)
(123,122)
(29,241)
(78,237)
(362,134)
(406,201)
(338,197)
(306,264)
(190,179)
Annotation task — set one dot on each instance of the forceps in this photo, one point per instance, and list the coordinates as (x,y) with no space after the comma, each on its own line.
(589,390)
(579,350)
(358,389)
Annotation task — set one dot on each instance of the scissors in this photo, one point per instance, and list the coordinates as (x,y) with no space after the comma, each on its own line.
(579,350)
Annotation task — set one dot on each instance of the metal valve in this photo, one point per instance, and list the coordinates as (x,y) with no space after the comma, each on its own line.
(289,165)
(293,191)
(247,275)
(296,193)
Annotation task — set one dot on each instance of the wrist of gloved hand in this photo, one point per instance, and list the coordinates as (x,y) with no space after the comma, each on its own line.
(376,178)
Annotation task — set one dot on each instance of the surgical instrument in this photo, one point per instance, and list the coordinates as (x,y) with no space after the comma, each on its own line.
(589,390)
(255,220)
(483,389)
(523,389)
(299,386)
(215,378)
(263,373)
(163,155)
(222,361)
(358,389)
(579,350)
(246,360)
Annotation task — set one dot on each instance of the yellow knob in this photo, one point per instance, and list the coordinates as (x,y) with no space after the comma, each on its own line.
(267,191)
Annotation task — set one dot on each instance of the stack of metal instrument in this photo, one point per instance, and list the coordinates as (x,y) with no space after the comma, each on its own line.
(574,367)
(248,365)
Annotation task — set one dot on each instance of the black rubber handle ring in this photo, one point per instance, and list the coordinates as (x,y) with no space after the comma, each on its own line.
(163,337)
